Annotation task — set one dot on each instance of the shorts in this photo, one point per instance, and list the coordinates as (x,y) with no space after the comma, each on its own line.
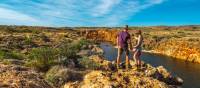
(120,51)
(139,50)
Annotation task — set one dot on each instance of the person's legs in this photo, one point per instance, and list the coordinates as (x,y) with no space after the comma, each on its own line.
(139,60)
(127,58)
(119,57)
(136,57)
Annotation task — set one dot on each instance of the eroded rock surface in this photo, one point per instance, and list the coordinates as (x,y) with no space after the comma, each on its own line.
(14,76)
(106,77)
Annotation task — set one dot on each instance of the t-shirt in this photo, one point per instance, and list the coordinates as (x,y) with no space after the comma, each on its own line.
(123,38)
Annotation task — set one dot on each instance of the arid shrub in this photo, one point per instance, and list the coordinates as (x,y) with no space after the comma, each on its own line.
(9,29)
(6,62)
(28,41)
(42,58)
(44,37)
(58,75)
(87,63)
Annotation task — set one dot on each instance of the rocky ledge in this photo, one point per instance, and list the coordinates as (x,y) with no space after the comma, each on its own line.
(108,77)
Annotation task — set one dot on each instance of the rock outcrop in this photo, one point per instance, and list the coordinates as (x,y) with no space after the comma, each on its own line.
(100,79)
(107,77)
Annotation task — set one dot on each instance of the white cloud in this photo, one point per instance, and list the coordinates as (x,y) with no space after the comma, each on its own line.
(14,15)
(156,1)
(104,7)
(77,12)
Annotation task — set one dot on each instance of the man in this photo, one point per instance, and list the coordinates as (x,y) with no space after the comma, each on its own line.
(123,39)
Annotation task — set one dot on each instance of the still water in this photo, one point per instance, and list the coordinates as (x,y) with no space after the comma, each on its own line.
(189,72)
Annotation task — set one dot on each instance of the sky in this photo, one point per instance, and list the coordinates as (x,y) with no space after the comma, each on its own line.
(62,13)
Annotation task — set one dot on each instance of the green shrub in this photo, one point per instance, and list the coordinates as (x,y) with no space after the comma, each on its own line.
(15,55)
(11,55)
(28,41)
(87,63)
(6,62)
(84,42)
(42,58)
(2,53)
(69,50)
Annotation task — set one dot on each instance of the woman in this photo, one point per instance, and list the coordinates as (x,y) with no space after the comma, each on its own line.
(137,50)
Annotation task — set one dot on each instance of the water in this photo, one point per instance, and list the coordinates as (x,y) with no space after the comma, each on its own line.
(189,72)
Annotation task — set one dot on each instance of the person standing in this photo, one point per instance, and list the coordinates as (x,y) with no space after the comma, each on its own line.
(137,50)
(123,40)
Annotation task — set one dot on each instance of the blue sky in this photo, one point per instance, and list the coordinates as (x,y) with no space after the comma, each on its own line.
(99,12)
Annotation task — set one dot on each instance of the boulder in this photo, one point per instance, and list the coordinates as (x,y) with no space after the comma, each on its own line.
(163,71)
(105,65)
(97,50)
(84,53)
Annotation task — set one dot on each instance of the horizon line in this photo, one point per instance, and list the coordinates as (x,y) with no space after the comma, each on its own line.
(105,26)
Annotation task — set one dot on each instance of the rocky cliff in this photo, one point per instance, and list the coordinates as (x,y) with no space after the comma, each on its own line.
(180,49)
(102,35)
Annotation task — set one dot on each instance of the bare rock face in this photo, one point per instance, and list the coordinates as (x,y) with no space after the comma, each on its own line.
(102,35)
(13,76)
(180,49)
